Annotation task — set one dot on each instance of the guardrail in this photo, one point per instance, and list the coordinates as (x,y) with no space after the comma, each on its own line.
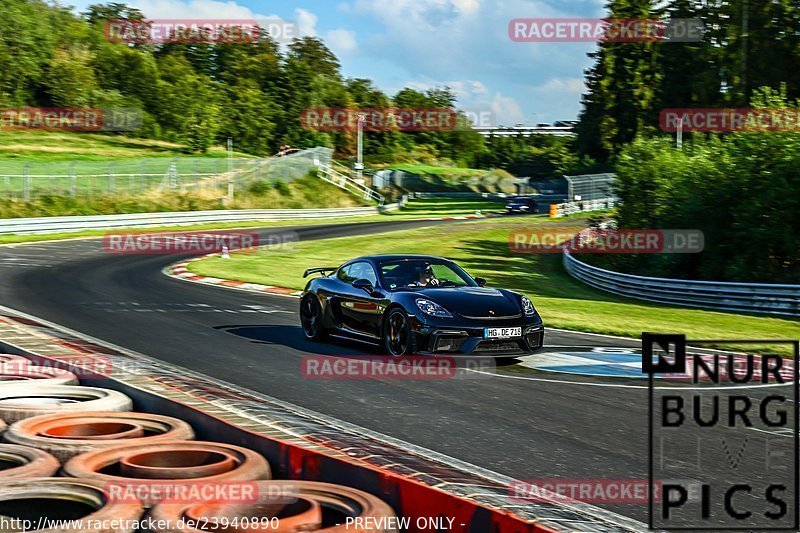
(744,297)
(571,208)
(143,220)
(498,196)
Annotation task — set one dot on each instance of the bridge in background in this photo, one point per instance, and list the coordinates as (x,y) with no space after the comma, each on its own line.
(525,131)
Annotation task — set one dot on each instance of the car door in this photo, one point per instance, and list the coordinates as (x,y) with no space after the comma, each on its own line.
(361,311)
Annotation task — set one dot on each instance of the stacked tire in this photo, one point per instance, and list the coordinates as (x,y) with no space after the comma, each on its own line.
(68,447)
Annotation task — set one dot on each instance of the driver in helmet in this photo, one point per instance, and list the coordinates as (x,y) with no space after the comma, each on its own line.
(427,278)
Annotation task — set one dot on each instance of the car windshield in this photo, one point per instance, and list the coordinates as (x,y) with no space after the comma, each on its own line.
(411,273)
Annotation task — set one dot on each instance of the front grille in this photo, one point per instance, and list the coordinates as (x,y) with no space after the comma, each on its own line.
(449,343)
(497,346)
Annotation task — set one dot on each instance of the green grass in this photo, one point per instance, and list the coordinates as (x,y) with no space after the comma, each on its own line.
(307,192)
(433,170)
(481,247)
(58,146)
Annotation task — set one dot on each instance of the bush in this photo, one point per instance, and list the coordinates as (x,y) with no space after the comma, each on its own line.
(259,187)
(742,190)
(283,188)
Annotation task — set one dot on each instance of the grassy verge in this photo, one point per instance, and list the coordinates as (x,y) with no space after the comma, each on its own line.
(301,193)
(55,146)
(482,248)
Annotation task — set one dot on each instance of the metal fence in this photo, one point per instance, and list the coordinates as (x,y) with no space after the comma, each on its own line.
(591,187)
(744,297)
(87,179)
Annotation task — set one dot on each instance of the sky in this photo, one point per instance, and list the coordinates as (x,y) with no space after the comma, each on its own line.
(463,44)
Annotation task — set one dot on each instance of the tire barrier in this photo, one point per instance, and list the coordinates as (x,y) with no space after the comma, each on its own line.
(66,499)
(14,374)
(298,506)
(190,461)
(68,434)
(24,462)
(22,401)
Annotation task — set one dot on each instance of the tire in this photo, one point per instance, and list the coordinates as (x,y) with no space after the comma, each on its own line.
(311,318)
(22,401)
(59,434)
(14,374)
(333,499)
(398,339)
(181,462)
(26,462)
(65,499)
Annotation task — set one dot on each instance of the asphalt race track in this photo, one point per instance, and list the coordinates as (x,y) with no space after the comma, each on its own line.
(528,425)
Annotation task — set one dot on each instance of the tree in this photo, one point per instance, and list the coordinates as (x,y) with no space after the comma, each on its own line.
(70,81)
(622,87)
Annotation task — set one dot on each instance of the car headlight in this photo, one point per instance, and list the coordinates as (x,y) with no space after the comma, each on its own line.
(527,307)
(432,308)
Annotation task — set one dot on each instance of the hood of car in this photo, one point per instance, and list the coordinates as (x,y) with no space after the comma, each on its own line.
(474,302)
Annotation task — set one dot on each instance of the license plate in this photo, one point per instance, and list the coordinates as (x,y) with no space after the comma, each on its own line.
(501,333)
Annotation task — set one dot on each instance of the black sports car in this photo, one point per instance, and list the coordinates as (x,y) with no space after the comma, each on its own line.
(418,304)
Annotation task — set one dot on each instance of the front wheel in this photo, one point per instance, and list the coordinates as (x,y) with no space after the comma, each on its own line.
(311,318)
(398,339)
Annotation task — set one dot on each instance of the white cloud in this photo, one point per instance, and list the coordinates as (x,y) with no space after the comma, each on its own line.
(468,40)
(341,41)
(307,22)
(506,110)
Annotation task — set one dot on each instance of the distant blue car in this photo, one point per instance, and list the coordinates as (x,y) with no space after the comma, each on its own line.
(521,205)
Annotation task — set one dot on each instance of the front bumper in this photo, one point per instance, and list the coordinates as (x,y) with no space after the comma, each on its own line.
(438,339)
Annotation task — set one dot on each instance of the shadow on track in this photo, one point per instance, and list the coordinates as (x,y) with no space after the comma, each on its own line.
(293,337)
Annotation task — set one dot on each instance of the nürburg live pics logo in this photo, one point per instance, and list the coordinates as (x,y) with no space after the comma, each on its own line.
(723,445)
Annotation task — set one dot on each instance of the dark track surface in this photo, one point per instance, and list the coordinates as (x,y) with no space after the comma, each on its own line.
(522,428)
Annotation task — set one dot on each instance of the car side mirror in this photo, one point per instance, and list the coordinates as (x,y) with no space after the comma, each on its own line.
(481,282)
(364,284)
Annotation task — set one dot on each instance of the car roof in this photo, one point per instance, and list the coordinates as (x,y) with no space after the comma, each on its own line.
(380,258)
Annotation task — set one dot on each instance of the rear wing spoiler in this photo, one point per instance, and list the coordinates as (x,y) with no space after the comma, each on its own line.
(318,271)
